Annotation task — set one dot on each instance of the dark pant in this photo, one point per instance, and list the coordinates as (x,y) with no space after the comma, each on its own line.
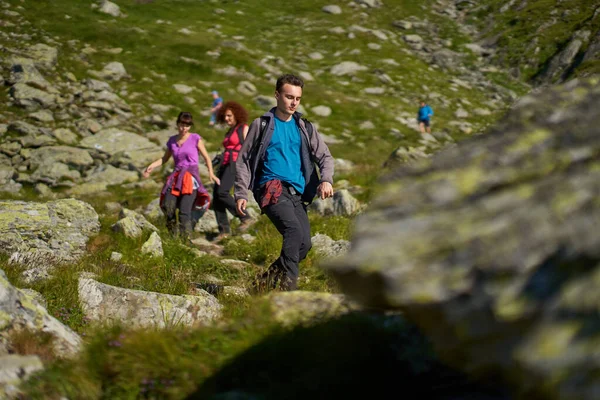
(184,203)
(222,199)
(290,218)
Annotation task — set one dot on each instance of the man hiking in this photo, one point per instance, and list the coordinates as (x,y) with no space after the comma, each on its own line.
(424,116)
(277,162)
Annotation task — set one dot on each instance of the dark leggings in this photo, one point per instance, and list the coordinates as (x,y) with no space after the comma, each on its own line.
(184,203)
(222,199)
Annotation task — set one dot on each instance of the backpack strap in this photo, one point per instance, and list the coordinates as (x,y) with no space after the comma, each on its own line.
(309,130)
(240,133)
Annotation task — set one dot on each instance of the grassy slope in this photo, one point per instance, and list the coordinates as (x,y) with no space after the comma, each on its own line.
(289,34)
(545,25)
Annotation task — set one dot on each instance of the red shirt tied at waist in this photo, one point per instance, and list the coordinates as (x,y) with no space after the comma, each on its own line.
(272,191)
(233,144)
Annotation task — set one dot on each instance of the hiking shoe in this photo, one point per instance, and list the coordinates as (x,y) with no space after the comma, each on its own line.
(245,225)
(220,237)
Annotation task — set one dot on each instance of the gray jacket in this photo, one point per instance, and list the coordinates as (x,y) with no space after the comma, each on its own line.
(247,166)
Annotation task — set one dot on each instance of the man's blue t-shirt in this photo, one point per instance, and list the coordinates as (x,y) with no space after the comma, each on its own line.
(425,112)
(217,101)
(282,158)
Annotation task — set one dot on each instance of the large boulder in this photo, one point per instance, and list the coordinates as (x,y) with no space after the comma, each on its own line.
(19,311)
(492,247)
(125,148)
(79,159)
(58,228)
(137,308)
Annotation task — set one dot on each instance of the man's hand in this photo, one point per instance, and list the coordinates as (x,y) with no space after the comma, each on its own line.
(325,190)
(241,207)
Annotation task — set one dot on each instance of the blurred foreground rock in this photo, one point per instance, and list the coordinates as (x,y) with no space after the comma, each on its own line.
(492,247)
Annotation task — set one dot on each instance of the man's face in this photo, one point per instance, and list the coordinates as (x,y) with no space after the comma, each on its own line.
(288,98)
(422,104)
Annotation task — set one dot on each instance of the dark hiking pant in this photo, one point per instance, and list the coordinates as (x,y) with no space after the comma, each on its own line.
(184,204)
(290,218)
(222,198)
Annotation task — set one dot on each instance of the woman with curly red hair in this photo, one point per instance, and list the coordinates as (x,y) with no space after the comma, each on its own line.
(236,117)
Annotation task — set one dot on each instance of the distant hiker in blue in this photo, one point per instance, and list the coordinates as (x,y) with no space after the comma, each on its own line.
(216,104)
(424,116)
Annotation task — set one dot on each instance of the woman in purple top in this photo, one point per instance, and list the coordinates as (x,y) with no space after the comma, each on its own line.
(184,184)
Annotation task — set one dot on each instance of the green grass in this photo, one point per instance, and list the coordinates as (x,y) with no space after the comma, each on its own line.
(530,37)
(246,347)
(251,354)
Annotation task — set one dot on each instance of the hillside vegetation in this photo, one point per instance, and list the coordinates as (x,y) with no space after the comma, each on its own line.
(370,64)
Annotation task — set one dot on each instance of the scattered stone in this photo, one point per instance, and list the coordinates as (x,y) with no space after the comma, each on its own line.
(322,111)
(183,89)
(110,8)
(347,68)
(153,246)
(246,88)
(332,9)
(235,264)
(327,247)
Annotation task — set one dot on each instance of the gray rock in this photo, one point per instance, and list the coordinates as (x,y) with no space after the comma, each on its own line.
(321,111)
(341,165)
(246,88)
(132,224)
(96,85)
(153,246)
(307,308)
(79,159)
(446,59)
(265,102)
(55,174)
(42,116)
(492,246)
(332,9)
(183,89)
(23,128)
(406,25)
(370,3)
(347,68)
(562,61)
(31,98)
(113,71)
(65,136)
(126,148)
(327,247)
(61,227)
(342,203)
(19,311)
(110,8)
(140,309)
(23,70)
(14,369)
(43,56)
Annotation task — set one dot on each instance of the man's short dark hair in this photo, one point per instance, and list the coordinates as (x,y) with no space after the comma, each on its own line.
(289,79)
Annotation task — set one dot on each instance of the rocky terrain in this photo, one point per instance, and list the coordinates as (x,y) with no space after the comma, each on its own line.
(468,233)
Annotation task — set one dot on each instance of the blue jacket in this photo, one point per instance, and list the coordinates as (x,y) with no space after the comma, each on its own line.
(425,112)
